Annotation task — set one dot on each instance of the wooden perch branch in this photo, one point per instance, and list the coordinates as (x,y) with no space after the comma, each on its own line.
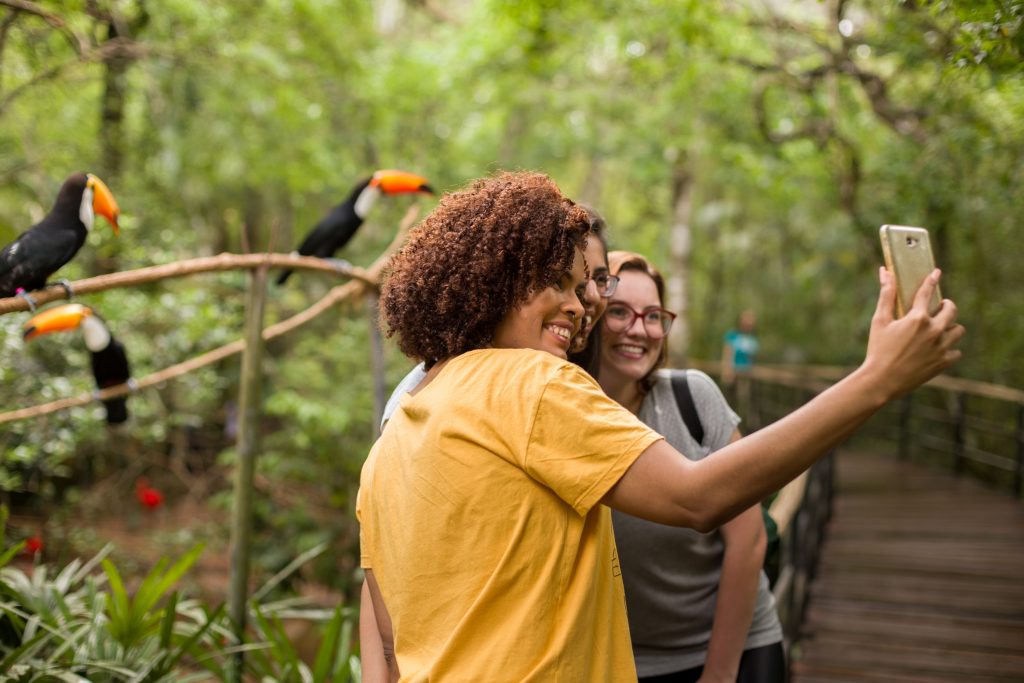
(367,279)
(204,264)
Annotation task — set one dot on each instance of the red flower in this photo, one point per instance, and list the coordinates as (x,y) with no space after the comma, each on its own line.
(149,497)
(33,545)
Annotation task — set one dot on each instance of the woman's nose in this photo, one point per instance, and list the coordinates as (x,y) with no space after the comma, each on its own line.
(574,306)
(591,296)
(637,327)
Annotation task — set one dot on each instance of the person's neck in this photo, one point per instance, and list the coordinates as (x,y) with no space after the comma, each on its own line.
(433,372)
(623,390)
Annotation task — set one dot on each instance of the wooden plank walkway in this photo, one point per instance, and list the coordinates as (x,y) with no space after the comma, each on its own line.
(921,579)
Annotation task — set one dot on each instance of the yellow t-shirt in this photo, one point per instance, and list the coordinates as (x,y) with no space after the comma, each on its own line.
(480,519)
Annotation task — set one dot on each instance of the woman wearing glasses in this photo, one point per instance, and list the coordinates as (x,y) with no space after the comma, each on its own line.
(698,604)
(586,345)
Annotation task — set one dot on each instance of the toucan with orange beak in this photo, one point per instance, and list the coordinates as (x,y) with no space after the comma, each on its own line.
(336,228)
(40,251)
(109,360)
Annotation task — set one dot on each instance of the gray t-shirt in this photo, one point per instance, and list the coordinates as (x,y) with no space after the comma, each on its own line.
(671,574)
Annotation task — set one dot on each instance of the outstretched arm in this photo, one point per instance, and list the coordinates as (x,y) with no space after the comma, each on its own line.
(663,487)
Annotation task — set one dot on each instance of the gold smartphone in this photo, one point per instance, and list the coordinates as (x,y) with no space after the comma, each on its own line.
(908,256)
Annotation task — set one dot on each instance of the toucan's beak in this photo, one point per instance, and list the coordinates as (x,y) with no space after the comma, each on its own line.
(399,182)
(103,202)
(57,319)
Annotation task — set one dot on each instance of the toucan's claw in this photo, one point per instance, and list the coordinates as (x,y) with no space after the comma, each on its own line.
(132,384)
(24,295)
(340,264)
(67,288)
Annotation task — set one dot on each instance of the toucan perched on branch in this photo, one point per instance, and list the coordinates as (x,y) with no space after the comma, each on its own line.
(336,228)
(109,361)
(41,250)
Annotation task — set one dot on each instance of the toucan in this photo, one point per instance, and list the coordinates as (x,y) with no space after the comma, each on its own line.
(109,361)
(336,228)
(40,251)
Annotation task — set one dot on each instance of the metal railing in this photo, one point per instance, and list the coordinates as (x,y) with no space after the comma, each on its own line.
(971,427)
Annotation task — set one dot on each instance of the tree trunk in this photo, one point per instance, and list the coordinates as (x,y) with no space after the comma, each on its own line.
(115,70)
(679,261)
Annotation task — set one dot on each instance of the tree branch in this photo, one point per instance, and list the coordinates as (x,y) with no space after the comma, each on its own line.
(117,47)
(820,130)
(206,264)
(5,29)
(77,42)
(349,290)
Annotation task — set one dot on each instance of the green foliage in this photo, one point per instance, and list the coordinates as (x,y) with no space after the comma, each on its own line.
(67,626)
(244,122)
(130,620)
(82,625)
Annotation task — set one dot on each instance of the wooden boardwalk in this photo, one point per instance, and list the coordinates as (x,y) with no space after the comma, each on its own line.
(921,579)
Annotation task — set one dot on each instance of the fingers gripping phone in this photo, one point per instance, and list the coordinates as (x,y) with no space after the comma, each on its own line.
(908,256)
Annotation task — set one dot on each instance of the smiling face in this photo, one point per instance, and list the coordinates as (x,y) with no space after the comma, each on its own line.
(593,303)
(630,354)
(549,318)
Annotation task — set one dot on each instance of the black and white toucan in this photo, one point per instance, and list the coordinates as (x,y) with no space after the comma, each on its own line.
(336,228)
(109,360)
(40,251)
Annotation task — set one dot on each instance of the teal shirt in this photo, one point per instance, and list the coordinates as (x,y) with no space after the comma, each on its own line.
(744,347)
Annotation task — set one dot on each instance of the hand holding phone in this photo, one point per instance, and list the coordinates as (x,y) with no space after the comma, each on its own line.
(908,256)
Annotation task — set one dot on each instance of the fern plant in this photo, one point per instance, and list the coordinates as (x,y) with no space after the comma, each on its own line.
(83,626)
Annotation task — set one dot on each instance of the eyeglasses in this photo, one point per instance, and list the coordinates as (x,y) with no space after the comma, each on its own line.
(606,284)
(657,321)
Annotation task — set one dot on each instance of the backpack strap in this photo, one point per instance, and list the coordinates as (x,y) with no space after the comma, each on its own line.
(684,399)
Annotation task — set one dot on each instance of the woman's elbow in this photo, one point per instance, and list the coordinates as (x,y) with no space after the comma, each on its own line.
(704,519)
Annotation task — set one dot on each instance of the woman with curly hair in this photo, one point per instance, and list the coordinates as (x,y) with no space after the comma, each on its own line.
(487,551)
(582,351)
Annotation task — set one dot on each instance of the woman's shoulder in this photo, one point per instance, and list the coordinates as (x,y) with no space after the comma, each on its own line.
(665,375)
(515,365)
(702,387)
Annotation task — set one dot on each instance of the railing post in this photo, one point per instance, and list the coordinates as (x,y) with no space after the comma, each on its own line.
(1018,475)
(959,461)
(906,406)
(249,399)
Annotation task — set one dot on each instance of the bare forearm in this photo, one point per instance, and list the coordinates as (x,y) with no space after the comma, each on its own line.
(734,611)
(371,646)
(745,472)
(664,487)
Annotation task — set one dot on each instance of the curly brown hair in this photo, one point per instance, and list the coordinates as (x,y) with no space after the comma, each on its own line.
(481,253)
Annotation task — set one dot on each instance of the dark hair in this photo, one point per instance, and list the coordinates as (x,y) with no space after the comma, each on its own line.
(482,252)
(619,261)
(598,226)
(589,357)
